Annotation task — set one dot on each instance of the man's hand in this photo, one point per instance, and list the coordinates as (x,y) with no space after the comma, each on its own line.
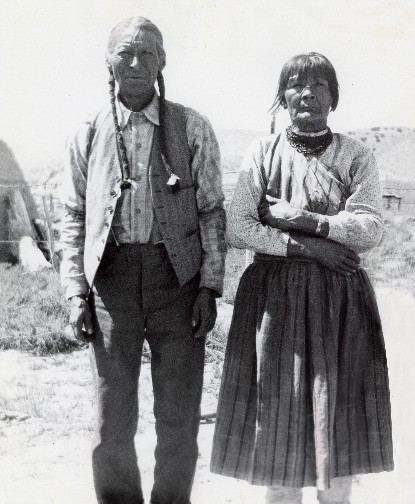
(80,319)
(204,312)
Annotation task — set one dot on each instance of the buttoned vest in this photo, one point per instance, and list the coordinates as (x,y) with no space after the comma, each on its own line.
(176,214)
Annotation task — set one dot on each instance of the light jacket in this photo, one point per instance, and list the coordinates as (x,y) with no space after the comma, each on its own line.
(92,188)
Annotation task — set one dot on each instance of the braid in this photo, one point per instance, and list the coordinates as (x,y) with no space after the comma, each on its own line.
(273,123)
(163,133)
(162,116)
(276,105)
(121,150)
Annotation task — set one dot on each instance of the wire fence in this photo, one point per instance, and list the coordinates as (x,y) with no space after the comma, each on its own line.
(44,197)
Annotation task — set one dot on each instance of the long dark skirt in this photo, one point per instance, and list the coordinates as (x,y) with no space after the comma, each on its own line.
(304,395)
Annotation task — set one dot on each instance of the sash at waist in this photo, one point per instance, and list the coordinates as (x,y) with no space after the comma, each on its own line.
(259,257)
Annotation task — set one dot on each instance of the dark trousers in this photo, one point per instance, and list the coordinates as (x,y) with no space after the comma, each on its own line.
(137,296)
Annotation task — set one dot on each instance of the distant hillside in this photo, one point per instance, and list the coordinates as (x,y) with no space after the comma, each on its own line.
(233,144)
(394,149)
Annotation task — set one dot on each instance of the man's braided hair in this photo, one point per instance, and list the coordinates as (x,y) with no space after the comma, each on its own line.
(144,23)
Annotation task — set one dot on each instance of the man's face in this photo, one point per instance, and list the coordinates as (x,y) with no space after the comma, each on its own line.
(135,63)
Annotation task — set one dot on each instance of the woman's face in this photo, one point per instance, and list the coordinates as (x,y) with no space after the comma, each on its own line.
(308,102)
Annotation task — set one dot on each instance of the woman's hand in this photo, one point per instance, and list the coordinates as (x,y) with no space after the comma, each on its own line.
(281,214)
(278,213)
(328,253)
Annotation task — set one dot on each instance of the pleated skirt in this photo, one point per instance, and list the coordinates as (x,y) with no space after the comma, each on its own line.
(304,395)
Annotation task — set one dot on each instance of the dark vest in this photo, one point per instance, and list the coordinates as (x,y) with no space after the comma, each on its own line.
(176,213)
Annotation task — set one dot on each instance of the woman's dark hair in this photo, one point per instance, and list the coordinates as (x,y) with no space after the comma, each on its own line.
(310,64)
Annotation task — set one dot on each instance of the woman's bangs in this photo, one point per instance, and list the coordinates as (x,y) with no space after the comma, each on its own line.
(311,67)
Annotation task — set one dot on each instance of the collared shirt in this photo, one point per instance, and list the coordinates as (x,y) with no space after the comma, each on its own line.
(133,218)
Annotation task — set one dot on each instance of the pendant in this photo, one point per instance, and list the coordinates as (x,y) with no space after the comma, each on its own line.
(173,183)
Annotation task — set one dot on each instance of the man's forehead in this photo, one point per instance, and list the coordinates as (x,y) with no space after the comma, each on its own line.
(138,37)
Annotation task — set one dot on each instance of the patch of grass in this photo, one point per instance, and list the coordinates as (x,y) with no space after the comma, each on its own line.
(392,263)
(31,400)
(33,312)
(54,391)
(234,267)
(216,344)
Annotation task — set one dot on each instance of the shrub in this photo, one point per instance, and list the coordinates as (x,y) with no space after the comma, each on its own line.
(392,263)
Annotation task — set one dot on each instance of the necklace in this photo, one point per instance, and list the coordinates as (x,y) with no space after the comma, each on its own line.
(309,145)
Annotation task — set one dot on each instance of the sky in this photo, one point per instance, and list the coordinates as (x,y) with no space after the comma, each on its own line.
(223,59)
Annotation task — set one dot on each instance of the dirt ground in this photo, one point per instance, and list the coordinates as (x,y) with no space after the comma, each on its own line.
(40,464)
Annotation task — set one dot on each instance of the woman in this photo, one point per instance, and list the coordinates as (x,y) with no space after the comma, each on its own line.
(304,398)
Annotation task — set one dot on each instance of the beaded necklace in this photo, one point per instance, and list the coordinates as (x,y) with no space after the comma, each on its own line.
(309,145)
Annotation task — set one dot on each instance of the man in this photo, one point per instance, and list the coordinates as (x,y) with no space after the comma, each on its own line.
(143,259)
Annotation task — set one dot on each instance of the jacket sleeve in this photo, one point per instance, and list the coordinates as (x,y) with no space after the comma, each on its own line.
(73,223)
(207,178)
